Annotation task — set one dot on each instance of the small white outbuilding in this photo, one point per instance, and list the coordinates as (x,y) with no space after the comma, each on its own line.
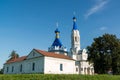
(39,61)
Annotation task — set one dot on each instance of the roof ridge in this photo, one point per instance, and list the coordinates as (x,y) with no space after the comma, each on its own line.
(52,54)
(17,59)
(45,53)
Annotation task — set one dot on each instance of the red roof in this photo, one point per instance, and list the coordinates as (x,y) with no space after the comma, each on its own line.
(51,54)
(44,53)
(17,59)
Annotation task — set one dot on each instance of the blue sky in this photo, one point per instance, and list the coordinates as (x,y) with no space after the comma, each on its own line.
(28,24)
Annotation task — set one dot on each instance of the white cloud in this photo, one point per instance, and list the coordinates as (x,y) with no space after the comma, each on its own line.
(103,28)
(98,6)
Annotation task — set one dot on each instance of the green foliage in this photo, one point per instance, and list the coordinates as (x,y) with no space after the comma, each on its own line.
(1,71)
(105,54)
(13,55)
(57,77)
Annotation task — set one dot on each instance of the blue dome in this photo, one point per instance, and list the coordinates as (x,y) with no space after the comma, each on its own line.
(74,24)
(57,31)
(57,43)
(74,18)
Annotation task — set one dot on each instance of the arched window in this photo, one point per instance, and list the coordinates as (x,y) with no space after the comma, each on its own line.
(12,68)
(7,69)
(21,68)
(33,66)
(61,67)
(76,39)
(76,69)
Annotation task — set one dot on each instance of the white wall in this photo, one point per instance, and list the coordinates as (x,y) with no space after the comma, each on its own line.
(26,66)
(52,66)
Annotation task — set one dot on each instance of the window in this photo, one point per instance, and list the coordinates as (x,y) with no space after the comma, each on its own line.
(61,67)
(76,69)
(33,66)
(12,68)
(81,69)
(33,54)
(21,68)
(76,39)
(7,69)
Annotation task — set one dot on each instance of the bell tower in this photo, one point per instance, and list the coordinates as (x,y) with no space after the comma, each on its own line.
(75,39)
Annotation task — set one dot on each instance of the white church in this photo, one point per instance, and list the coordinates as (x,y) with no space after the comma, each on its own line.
(57,60)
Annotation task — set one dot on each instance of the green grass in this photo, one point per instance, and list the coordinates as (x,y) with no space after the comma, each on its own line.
(58,77)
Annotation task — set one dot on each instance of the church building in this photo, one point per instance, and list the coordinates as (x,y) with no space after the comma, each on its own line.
(57,60)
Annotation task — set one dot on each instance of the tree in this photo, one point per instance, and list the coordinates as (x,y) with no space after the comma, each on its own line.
(1,71)
(13,55)
(104,52)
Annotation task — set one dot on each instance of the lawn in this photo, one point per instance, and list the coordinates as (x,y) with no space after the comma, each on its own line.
(58,77)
